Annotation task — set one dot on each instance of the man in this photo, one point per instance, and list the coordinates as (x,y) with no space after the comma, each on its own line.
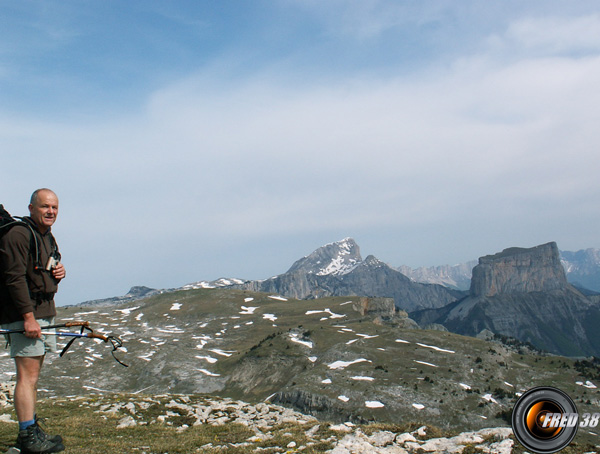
(30,272)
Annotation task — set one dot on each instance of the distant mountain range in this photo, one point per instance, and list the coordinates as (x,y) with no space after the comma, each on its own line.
(557,320)
(583,268)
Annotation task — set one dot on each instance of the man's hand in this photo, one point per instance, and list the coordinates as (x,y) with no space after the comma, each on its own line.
(58,272)
(31,326)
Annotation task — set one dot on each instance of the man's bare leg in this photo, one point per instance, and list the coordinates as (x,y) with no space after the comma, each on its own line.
(28,373)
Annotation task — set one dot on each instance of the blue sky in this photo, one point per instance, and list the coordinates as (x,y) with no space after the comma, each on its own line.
(190,140)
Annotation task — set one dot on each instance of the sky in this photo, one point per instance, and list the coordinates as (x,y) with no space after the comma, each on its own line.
(191,140)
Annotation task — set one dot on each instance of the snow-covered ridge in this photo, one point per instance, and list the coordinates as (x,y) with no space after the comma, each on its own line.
(336,259)
(338,266)
(222,282)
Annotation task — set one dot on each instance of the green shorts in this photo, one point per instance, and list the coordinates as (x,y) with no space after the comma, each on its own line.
(20,345)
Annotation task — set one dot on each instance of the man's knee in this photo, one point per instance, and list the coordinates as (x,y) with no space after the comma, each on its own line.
(28,368)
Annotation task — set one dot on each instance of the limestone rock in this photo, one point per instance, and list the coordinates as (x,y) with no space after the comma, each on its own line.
(519,270)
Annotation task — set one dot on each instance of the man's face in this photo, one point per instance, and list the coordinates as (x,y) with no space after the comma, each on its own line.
(44,210)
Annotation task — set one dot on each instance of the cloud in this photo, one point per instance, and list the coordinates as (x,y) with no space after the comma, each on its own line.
(556,35)
(244,152)
(299,153)
(305,156)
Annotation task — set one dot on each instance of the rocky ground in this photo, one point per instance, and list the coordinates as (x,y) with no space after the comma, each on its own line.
(264,418)
(273,428)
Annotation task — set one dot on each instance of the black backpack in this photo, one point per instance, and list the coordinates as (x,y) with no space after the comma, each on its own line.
(7,222)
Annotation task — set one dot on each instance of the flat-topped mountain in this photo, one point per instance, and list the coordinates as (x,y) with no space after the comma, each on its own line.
(519,270)
(524,293)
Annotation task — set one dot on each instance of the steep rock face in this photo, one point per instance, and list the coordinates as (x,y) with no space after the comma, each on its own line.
(519,270)
(383,307)
(523,293)
(316,405)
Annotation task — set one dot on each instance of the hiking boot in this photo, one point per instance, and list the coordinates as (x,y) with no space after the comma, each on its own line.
(34,440)
(53,438)
(43,435)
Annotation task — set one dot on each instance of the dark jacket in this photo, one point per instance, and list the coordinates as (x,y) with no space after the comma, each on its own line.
(25,284)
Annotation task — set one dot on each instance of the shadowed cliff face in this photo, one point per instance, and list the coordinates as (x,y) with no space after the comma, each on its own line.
(518,270)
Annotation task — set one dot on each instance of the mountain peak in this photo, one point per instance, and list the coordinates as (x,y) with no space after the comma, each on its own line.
(334,259)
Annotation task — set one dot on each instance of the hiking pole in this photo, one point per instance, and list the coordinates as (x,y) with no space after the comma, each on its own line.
(115,341)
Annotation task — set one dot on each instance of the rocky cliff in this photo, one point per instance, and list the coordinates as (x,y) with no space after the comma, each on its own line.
(381,307)
(523,293)
(519,270)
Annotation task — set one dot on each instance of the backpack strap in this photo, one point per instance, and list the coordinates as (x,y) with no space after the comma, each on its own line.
(35,245)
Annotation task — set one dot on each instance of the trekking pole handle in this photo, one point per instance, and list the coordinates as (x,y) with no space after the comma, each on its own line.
(90,335)
(67,325)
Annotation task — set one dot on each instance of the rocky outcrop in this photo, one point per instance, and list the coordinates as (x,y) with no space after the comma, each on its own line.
(492,441)
(7,391)
(264,418)
(519,270)
(383,307)
(317,405)
(523,293)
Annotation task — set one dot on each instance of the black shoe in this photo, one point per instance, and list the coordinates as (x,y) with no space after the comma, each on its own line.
(34,440)
(53,438)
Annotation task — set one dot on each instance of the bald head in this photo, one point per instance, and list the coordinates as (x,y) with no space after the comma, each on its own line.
(43,208)
(37,192)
